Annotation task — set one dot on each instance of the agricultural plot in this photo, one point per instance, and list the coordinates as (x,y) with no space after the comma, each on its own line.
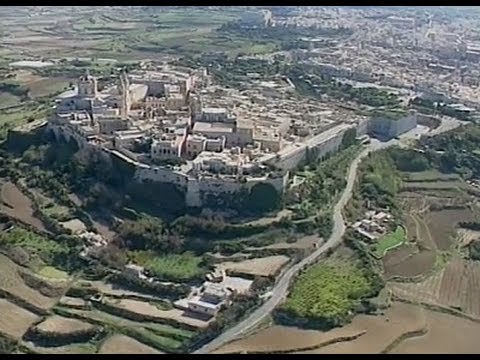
(52,273)
(121,344)
(390,241)
(285,338)
(164,335)
(365,334)
(456,286)
(48,205)
(305,242)
(61,325)
(328,290)
(41,86)
(406,261)
(39,249)
(433,185)
(429,176)
(267,266)
(101,316)
(447,334)
(14,320)
(151,310)
(7,99)
(381,331)
(85,348)
(173,267)
(17,205)
(132,34)
(431,231)
(442,225)
(73,302)
(12,283)
(117,291)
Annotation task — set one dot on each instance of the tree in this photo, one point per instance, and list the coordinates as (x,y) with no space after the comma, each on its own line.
(349,137)
(145,233)
(263,197)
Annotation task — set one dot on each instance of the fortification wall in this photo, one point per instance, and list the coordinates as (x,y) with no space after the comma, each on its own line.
(158,174)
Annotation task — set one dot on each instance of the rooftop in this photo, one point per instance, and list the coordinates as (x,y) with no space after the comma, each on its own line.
(196,300)
(214,110)
(212,127)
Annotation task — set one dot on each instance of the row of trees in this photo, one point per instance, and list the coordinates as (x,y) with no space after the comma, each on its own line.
(311,81)
(429,106)
(14,89)
(456,151)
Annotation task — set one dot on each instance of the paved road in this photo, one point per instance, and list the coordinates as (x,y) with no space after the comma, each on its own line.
(280,290)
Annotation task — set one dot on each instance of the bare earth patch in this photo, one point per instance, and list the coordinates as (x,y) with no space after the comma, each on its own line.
(442,224)
(76,226)
(381,330)
(372,335)
(405,261)
(14,320)
(284,338)
(145,308)
(121,344)
(266,266)
(447,334)
(63,325)
(41,86)
(115,290)
(15,204)
(73,302)
(306,242)
(85,348)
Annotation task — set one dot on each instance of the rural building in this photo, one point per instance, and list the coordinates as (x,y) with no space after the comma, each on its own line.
(210,301)
(197,305)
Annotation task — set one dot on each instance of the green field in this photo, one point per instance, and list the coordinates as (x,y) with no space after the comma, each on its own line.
(53,273)
(389,241)
(19,116)
(429,175)
(57,211)
(34,244)
(7,99)
(327,291)
(174,267)
(161,336)
(163,30)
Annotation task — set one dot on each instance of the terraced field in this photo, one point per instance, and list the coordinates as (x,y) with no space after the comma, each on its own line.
(266,266)
(85,348)
(432,224)
(365,334)
(13,284)
(456,286)
(17,205)
(63,325)
(150,310)
(442,224)
(14,320)
(446,334)
(121,344)
(162,337)
(407,261)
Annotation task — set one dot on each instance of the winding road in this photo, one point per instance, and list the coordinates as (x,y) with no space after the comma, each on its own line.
(279,292)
